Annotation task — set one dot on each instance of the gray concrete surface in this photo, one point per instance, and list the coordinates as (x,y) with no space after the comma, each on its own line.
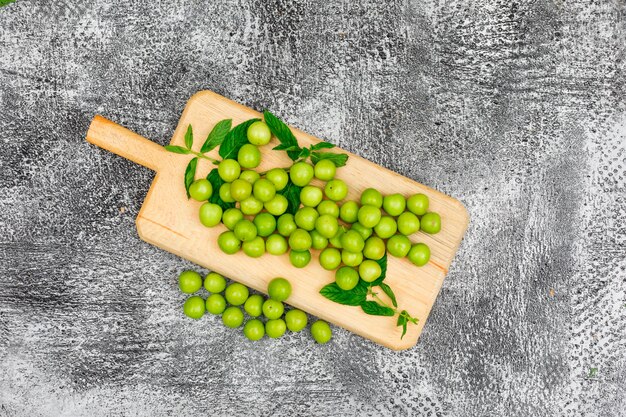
(515,108)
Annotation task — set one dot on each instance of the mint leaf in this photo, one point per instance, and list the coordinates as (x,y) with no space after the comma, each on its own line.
(374,309)
(5,2)
(339,159)
(217,135)
(283,134)
(176,149)
(217,181)
(292,194)
(286,147)
(189,137)
(402,321)
(190,174)
(304,153)
(353,297)
(322,145)
(387,290)
(235,139)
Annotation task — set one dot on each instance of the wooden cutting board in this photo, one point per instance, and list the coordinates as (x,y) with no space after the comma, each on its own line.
(169,220)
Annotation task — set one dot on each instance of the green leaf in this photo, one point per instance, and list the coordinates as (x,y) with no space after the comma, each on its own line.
(322,145)
(217,135)
(189,137)
(285,147)
(402,321)
(235,139)
(353,297)
(387,290)
(5,2)
(304,153)
(283,134)
(217,181)
(292,194)
(176,149)
(374,309)
(339,159)
(190,174)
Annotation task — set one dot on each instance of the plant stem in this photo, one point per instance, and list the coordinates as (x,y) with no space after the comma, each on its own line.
(203,156)
(401,313)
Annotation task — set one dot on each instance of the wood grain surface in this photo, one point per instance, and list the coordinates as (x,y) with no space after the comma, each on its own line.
(170,221)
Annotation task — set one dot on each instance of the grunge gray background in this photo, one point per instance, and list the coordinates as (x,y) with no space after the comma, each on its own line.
(515,108)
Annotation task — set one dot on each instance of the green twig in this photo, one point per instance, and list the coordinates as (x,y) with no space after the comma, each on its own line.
(203,156)
(402,313)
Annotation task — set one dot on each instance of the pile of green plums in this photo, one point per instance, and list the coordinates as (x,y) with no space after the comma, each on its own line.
(349,235)
(235,303)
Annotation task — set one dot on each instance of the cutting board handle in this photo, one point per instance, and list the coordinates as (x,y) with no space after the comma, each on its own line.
(121,141)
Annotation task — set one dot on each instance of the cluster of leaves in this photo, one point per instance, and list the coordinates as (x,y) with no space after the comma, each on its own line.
(358,296)
(289,144)
(229,140)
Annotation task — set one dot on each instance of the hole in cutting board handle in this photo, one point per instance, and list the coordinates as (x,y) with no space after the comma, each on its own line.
(124,142)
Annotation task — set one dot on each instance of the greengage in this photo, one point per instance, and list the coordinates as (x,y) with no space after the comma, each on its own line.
(214,282)
(419,254)
(325,170)
(320,330)
(301,173)
(232,317)
(417,204)
(236,294)
(228,242)
(189,282)
(300,259)
(394,204)
(275,328)
(372,197)
(229,170)
(194,307)
(276,244)
(201,190)
(336,190)
(259,133)
(430,223)
(254,330)
(210,214)
(249,156)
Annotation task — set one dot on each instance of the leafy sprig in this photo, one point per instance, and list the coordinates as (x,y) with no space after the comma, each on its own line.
(187,149)
(190,174)
(189,137)
(358,296)
(289,144)
(285,136)
(217,135)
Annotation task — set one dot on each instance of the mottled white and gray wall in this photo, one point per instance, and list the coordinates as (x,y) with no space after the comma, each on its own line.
(515,108)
